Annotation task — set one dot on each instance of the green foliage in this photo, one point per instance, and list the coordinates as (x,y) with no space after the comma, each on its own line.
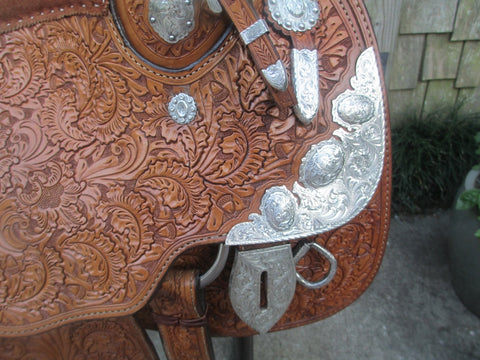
(468,199)
(471,198)
(431,156)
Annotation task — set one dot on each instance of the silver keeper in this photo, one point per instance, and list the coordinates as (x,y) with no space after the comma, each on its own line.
(254,31)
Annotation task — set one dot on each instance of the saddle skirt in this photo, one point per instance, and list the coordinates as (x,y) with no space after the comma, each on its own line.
(131,146)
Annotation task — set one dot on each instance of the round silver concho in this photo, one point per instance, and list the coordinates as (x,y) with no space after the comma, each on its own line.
(279,207)
(322,164)
(182,108)
(356,109)
(296,15)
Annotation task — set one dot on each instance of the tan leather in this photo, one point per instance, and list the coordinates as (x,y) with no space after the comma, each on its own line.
(104,339)
(262,50)
(100,191)
(16,14)
(209,28)
(179,311)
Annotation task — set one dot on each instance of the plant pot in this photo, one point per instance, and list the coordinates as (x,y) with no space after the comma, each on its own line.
(464,254)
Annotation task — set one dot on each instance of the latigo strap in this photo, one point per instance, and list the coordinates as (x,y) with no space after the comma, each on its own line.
(180,315)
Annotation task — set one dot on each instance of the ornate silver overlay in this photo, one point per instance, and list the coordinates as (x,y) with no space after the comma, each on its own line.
(326,202)
(276,75)
(254,31)
(182,108)
(173,20)
(296,15)
(305,84)
(278,269)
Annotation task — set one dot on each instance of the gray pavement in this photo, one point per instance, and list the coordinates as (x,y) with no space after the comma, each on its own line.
(409,312)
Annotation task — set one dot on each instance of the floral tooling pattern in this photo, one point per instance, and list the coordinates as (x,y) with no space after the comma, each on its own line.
(99,187)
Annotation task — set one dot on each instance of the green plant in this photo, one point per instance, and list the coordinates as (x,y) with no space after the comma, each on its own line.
(470,198)
(430,157)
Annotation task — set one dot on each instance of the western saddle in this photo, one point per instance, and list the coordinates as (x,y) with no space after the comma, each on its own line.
(204,167)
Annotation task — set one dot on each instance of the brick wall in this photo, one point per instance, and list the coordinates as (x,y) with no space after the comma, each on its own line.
(435,61)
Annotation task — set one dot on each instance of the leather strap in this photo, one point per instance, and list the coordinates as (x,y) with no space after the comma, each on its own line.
(179,313)
(113,338)
(261,48)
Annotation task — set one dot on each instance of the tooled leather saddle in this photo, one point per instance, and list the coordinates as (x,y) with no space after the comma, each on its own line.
(206,167)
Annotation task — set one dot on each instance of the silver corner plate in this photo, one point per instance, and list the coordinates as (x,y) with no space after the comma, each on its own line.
(337,177)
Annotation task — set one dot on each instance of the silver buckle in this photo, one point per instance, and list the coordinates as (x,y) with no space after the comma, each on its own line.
(262,282)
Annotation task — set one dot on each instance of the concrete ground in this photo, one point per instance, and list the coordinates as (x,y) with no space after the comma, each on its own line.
(409,312)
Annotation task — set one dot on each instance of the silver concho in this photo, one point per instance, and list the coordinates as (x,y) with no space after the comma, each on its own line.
(333,189)
(296,15)
(356,109)
(173,20)
(279,206)
(182,108)
(322,164)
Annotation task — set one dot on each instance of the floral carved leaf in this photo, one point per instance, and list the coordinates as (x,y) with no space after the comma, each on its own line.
(241,150)
(252,89)
(130,218)
(96,269)
(30,281)
(60,118)
(179,192)
(22,70)
(187,141)
(333,44)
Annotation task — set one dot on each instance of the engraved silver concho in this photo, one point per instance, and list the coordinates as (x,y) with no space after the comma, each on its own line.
(279,206)
(337,177)
(182,108)
(296,15)
(173,20)
(322,164)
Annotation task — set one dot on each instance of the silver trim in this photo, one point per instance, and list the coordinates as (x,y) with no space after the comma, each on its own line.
(173,20)
(363,145)
(305,84)
(276,75)
(296,15)
(254,31)
(214,6)
(245,285)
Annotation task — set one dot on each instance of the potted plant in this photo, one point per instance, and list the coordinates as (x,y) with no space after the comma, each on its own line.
(464,240)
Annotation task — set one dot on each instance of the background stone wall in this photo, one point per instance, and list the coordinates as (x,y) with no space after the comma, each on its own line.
(431,53)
